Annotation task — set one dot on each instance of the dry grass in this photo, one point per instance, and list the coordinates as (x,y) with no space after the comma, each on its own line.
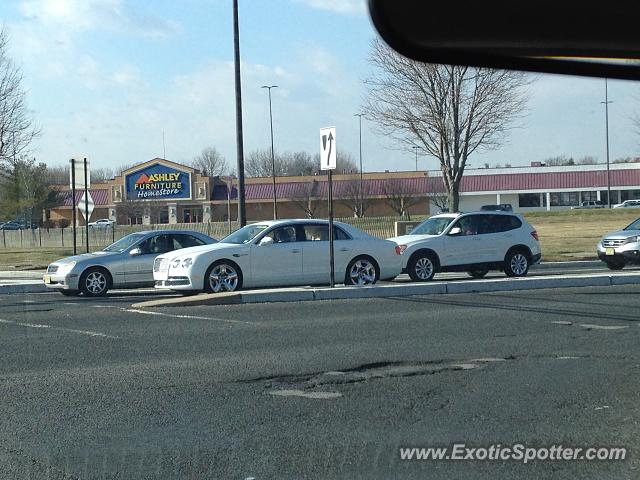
(573,235)
(31,259)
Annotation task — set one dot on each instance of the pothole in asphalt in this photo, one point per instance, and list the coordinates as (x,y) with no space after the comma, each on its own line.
(308,385)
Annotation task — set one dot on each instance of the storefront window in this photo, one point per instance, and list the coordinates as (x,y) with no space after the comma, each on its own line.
(628,195)
(564,199)
(529,200)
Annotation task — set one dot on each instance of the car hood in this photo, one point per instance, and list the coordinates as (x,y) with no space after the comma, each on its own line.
(409,239)
(85,256)
(622,234)
(185,252)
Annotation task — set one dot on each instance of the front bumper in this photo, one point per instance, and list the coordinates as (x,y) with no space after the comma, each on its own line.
(629,253)
(174,280)
(56,281)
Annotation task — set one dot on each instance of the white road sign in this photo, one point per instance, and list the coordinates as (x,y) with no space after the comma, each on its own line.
(90,204)
(79,168)
(328,148)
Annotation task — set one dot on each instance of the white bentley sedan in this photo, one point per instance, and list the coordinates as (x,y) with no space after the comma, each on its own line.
(279,253)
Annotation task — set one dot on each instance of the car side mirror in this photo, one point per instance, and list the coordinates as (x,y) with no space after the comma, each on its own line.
(455,231)
(266,241)
(135,251)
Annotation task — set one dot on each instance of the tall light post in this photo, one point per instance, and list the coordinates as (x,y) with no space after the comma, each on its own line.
(273,156)
(416,148)
(242,216)
(606,119)
(360,115)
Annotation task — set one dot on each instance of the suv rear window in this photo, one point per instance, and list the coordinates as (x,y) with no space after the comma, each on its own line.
(499,223)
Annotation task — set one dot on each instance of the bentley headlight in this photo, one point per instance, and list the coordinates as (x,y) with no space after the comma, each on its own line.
(66,267)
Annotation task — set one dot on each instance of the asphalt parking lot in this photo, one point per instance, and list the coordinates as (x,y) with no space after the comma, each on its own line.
(93,388)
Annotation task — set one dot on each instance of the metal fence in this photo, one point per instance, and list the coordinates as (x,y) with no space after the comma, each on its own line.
(382,227)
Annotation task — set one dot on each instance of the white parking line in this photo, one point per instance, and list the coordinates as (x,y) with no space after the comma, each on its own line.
(173,315)
(194,317)
(62,329)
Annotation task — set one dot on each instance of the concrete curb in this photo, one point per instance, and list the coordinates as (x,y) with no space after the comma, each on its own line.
(577,264)
(403,290)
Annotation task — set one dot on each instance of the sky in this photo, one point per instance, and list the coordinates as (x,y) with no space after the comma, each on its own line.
(108,79)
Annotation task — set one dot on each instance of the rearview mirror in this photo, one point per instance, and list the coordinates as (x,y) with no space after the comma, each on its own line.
(135,251)
(455,231)
(266,241)
(545,36)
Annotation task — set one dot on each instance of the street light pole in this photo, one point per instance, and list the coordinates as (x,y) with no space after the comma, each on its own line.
(416,148)
(360,115)
(273,156)
(606,116)
(242,216)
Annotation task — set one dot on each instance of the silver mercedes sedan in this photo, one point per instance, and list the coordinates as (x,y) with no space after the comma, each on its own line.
(127,263)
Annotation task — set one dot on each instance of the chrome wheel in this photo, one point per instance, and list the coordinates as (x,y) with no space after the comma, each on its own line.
(424,268)
(362,272)
(223,278)
(95,283)
(519,264)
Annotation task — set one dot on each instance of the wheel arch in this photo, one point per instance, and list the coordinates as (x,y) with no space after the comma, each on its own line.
(367,256)
(422,251)
(520,248)
(220,260)
(98,267)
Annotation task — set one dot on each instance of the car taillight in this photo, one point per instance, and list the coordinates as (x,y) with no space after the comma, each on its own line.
(398,250)
(534,234)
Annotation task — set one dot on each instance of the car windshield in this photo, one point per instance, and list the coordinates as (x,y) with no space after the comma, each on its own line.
(432,226)
(634,226)
(124,243)
(245,234)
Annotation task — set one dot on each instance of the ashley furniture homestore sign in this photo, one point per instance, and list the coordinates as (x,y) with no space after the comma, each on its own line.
(158,182)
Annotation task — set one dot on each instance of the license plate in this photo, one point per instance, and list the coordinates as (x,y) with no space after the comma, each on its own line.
(610,251)
(47,279)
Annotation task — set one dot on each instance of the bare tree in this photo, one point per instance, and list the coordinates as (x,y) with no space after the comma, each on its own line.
(17,129)
(440,201)
(625,160)
(348,193)
(258,164)
(99,175)
(58,175)
(400,196)
(211,163)
(122,168)
(448,111)
(559,161)
(300,164)
(345,163)
(587,160)
(129,210)
(305,196)
(291,164)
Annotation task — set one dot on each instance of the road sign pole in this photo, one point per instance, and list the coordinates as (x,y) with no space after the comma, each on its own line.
(86,204)
(73,202)
(331,258)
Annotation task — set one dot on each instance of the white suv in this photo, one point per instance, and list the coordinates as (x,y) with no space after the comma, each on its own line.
(470,242)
